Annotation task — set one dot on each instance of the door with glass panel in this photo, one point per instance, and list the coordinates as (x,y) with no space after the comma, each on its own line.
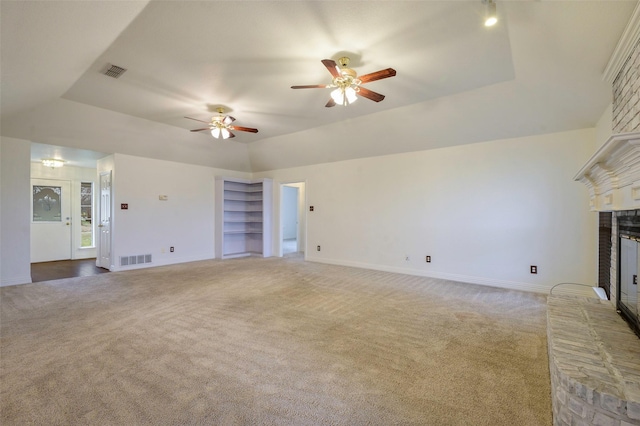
(50,220)
(104,222)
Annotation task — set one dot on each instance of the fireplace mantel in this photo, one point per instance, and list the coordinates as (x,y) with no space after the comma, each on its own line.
(612,174)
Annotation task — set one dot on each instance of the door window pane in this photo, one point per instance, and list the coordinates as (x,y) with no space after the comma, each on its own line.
(47,203)
(86,213)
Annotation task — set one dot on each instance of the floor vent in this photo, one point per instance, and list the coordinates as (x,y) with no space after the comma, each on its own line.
(135,260)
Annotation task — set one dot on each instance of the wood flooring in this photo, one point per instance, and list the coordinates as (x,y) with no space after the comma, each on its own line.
(47,271)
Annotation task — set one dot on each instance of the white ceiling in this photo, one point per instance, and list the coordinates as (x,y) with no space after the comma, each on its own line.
(538,71)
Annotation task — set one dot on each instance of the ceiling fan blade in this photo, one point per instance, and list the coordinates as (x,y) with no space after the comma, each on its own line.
(228,120)
(332,67)
(197,120)
(231,135)
(243,129)
(310,86)
(370,94)
(378,75)
(199,130)
(331,103)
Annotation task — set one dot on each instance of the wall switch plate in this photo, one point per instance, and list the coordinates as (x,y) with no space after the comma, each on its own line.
(171,249)
(124,206)
(428,259)
(534,269)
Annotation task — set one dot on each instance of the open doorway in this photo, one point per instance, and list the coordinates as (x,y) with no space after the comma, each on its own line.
(292,219)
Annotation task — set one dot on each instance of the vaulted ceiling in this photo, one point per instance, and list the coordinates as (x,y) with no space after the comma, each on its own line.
(538,71)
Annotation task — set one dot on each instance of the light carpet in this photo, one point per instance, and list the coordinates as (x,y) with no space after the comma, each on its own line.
(274,341)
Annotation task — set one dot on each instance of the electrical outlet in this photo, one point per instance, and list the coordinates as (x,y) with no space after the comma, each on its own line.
(534,269)
(171,249)
(318,248)
(428,259)
(407,258)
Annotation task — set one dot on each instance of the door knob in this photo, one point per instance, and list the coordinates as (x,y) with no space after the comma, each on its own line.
(67,223)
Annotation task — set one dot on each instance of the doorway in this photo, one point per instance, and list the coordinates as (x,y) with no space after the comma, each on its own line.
(292,219)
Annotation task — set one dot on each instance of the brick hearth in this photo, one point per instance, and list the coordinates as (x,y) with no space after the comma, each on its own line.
(594,360)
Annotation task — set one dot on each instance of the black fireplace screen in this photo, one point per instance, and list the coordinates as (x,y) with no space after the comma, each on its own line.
(628,266)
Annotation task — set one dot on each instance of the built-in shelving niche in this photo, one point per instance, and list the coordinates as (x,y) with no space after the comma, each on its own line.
(243,217)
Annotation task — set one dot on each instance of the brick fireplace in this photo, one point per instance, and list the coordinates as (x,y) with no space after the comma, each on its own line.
(594,356)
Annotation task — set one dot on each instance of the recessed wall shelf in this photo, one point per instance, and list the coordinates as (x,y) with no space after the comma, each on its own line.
(243,217)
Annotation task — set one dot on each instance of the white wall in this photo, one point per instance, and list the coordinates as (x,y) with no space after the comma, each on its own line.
(184,221)
(484,212)
(75,175)
(604,127)
(15,211)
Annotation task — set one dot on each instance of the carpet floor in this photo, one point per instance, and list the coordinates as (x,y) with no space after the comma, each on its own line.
(274,341)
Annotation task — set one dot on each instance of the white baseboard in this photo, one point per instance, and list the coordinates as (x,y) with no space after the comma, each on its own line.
(491,282)
(17,280)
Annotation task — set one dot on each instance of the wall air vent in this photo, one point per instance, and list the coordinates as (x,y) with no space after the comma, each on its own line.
(114,71)
(135,259)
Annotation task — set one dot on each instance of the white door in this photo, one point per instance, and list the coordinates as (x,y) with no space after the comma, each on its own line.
(104,222)
(50,220)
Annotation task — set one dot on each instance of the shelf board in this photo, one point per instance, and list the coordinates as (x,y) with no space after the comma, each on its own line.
(243,211)
(243,221)
(245,190)
(243,232)
(253,200)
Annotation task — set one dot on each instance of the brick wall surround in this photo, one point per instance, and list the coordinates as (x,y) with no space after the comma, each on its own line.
(626,95)
(594,356)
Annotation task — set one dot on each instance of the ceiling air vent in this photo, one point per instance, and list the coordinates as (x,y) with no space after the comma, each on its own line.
(114,71)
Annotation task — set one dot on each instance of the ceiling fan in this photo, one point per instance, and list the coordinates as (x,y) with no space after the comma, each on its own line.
(347,84)
(220,126)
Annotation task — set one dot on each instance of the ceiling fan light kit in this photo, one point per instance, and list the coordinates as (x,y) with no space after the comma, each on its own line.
(220,126)
(346,83)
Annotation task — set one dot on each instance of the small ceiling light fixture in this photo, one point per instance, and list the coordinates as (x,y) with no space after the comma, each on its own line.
(52,162)
(491,16)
